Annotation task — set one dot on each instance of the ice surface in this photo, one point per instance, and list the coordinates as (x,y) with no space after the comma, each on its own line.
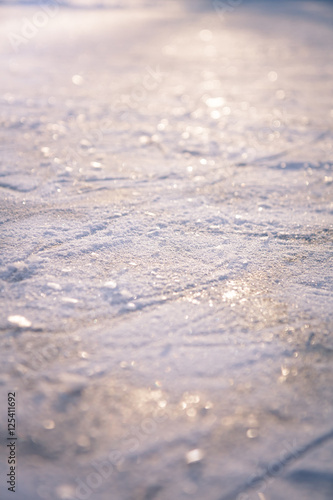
(166,261)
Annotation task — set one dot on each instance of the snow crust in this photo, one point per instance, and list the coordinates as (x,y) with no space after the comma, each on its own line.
(166,249)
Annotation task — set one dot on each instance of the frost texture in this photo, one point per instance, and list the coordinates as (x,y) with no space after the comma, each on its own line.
(166,263)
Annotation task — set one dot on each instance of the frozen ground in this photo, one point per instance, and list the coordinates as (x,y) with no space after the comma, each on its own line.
(166,250)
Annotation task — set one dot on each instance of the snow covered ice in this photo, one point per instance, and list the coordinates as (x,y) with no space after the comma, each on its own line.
(166,249)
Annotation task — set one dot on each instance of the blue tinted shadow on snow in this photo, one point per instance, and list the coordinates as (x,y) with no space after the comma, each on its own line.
(228,6)
(320,12)
(322,480)
(312,480)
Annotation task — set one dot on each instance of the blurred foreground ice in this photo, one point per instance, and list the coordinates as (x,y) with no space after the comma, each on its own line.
(166,263)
